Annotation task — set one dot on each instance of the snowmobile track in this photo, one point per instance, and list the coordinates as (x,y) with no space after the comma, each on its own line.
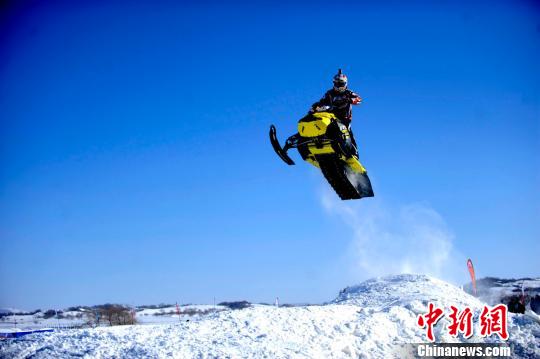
(335,174)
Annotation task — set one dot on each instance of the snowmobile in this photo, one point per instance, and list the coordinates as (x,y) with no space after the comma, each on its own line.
(326,143)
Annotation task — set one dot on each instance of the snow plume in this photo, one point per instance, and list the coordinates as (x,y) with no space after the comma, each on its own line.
(408,239)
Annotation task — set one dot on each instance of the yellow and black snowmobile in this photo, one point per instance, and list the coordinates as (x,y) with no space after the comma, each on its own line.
(326,143)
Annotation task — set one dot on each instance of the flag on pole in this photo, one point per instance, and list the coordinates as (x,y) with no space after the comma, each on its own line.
(473,277)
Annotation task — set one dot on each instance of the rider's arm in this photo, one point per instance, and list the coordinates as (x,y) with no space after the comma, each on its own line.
(326,100)
(355,98)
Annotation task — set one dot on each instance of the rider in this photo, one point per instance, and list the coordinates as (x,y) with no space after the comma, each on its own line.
(340,99)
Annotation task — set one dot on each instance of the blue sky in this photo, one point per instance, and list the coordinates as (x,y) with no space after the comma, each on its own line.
(136,166)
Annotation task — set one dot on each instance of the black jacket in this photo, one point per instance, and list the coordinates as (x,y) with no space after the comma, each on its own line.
(341,103)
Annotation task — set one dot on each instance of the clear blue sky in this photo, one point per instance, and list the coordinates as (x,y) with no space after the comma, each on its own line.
(136,166)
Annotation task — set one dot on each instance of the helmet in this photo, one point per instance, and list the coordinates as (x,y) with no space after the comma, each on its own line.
(340,81)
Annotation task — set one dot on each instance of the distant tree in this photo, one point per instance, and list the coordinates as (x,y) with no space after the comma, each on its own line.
(79,308)
(115,314)
(236,305)
(92,317)
(154,306)
(49,314)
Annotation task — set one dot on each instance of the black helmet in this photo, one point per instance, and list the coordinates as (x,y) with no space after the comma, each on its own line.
(340,81)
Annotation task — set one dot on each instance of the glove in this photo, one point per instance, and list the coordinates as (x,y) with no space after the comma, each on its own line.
(356,100)
(322,108)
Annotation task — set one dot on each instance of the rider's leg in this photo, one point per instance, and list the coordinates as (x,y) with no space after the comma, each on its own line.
(352,137)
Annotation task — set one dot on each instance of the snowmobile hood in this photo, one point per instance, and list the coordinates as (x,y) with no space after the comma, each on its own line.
(315,124)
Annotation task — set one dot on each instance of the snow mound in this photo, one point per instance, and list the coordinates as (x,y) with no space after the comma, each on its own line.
(369,321)
(406,290)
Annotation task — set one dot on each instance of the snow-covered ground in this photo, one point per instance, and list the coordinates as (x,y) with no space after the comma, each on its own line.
(369,320)
(37,321)
(80,318)
(168,314)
